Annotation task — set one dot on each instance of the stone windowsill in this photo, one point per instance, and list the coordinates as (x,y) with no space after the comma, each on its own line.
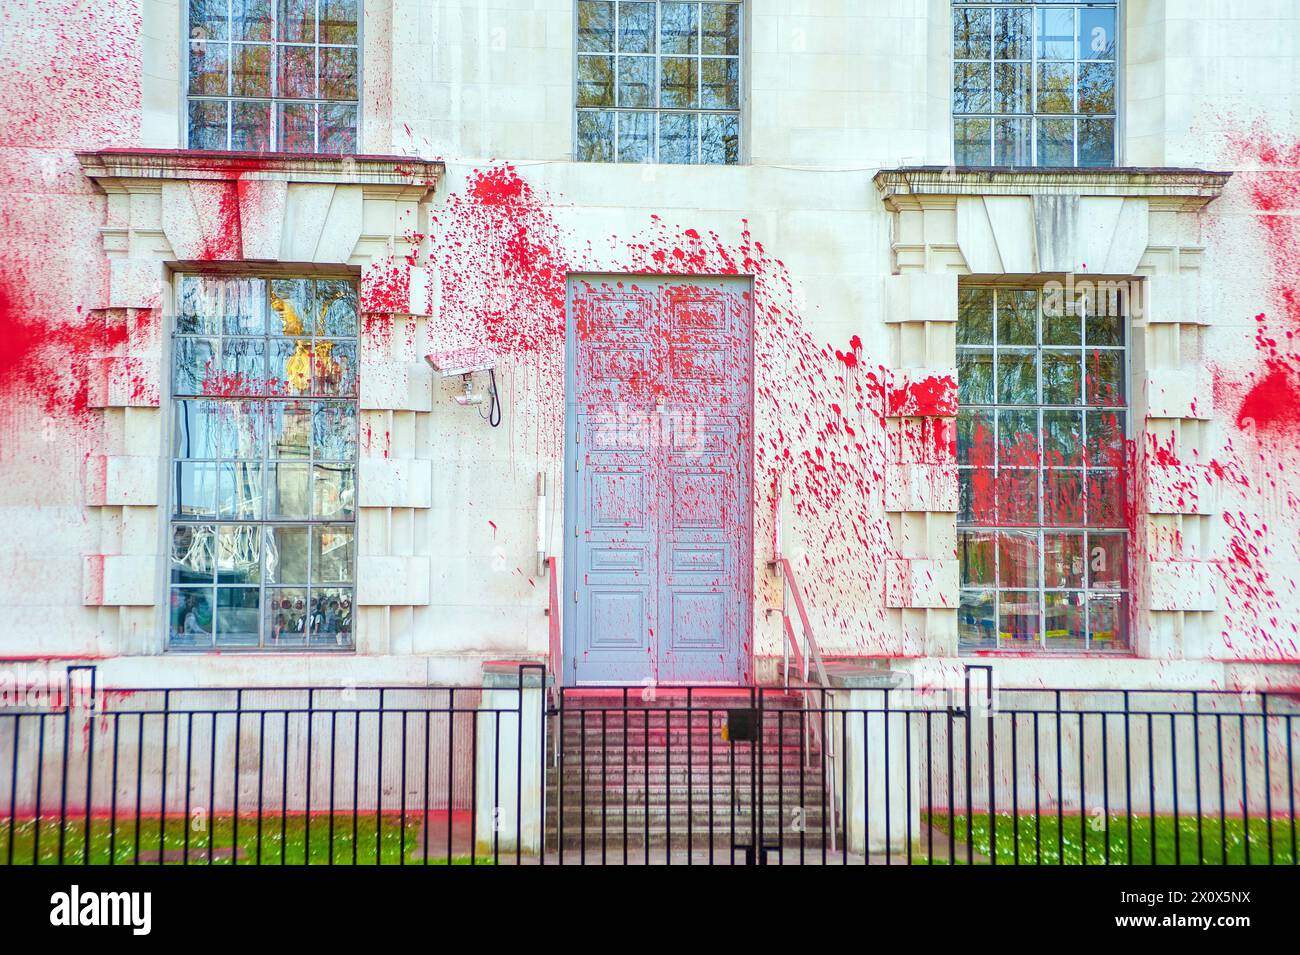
(1189,187)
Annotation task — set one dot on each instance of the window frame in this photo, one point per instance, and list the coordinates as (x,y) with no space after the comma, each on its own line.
(1117,116)
(657,111)
(229,99)
(1040,528)
(263,522)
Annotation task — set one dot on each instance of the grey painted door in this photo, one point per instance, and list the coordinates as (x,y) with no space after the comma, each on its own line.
(658,499)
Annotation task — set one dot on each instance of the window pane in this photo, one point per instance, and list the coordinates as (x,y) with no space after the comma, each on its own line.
(720,27)
(595,81)
(240,495)
(1106,496)
(1105,372)
(338,21)
(195,490)
(193,555)
(238,610)
(1012,143)
(970,33)
(1096,142)
(1017,497)
(1062,438)
(286,616)
(636,28)
(975,437)
(595,136)
(291,361)
(208,20)
(720,84)
(1056,142)
(1096,87)
(331,554)
(287,496)
(720,140)
(195,426)
(971,90)
(1105,439)
(251,70)
(977,495)
(1062,321)
(193,364)
(636,137)
(1056,34)
(334,431)
(297,78)
(1063,625)
(289,428)
(291,306)
(973,142)
(1105,324)
(1011,88)
(677,138)
(334,369)
(1055,88)
(297,20)
(978,555)
(975,316)
(1017,377)
(297,128)
(338,129)
(286,555)
(334,492)
(1062,377)
(251,19)
(636,82)
(1063,562)
(1017,317)
(209,68)
(191,617)
(250,127)
(678,27)
(1011,34)
(331,617)
(243,366)
(1096,34)
(336,308)
(338,73)
(239,554)
(596,25)
(1063,497)
(207,124)
(1018,439)
(1106,621)
(975,620)
(202,303)
(1018,618)
(1106,561)
(975,376)
(679,82)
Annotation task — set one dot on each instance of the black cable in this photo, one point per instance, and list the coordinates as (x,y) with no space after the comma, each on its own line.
(494,408)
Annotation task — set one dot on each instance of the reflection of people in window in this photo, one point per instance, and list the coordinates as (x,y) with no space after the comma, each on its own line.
(190,617)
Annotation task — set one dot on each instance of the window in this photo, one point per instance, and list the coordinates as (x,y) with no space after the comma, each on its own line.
(1041,431)
(273,75)
(1034,84)
(658,81)
(264,449)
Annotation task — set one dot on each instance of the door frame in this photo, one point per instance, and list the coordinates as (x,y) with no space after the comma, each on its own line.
(570,575)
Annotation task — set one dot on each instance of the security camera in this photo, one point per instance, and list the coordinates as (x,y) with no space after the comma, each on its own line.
(461,361)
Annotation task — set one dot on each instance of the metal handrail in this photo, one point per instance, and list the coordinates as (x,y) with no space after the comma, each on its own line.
(825,740)
(555,649)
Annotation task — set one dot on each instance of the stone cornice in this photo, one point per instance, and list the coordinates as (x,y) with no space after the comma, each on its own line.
(921,186)
(127,170)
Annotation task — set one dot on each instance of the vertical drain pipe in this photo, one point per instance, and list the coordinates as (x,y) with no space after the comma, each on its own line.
(541,523)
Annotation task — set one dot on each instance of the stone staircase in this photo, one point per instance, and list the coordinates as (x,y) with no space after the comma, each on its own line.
(657,774)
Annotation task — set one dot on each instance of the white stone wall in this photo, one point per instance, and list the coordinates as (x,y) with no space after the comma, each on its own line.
(834,92)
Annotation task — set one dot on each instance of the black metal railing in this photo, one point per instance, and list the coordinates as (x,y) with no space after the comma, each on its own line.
(509,773)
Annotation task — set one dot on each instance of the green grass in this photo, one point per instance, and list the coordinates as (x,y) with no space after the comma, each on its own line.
(221,834)
(1055,842)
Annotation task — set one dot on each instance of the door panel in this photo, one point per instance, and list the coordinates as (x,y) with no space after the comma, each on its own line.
(658,512)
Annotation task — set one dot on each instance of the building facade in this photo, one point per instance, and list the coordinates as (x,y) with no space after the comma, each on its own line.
(372,341)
